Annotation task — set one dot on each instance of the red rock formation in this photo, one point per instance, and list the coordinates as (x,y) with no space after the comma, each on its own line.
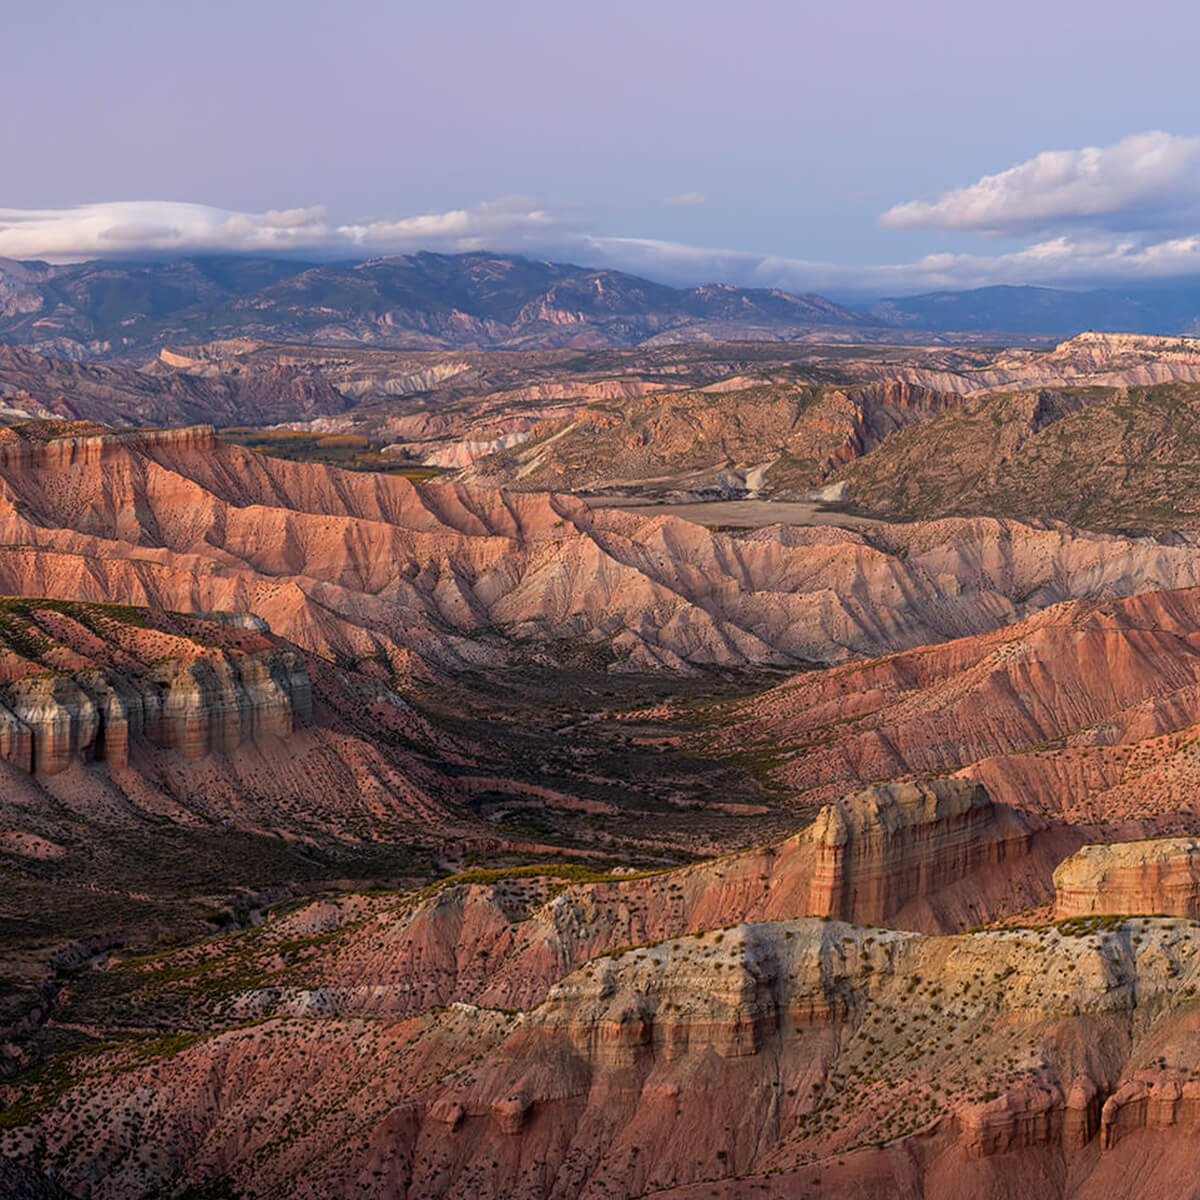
(1014,1121)
(858,1058)
(115,714)
(1158,876)
(880,852)
(212,704)
(1081,712)
(349,564)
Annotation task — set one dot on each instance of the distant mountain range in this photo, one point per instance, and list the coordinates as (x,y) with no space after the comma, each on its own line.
(1167,309)
(129,311)
(419,301)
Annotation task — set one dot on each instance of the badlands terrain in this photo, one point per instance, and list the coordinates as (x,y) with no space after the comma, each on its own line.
(593,769)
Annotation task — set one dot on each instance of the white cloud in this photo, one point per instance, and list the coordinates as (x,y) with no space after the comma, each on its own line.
(1062,261)
(1112,187)
(1075,254)
(98,230)
(512,220)
(686,200)
(156,227)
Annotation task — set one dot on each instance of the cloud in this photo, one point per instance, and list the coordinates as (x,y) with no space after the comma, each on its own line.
(1116,186)
(512,221)
(1077,254)
(99,230)
(1062,261)
(686,200)
(158,227)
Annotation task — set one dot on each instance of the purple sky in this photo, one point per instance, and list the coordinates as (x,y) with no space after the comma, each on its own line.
(783,131)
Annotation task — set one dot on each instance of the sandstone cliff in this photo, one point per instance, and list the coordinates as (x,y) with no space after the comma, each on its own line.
(1157,876)
(895,1064)
(893,852)
(204,701)
(120,716)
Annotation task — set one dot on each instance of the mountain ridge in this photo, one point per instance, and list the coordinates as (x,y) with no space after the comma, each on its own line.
(419,301)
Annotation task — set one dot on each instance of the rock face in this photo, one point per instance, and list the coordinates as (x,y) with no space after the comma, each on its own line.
(80,446)
(507,945)
(879,850)
(119,715)
(211,704)
(1037,1060)
(1157,876)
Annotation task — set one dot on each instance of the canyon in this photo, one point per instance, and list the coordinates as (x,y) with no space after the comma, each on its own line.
(421,779)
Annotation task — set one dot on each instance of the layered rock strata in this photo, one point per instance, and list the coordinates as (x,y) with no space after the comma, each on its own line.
(197,708)
(1083,712)
(860,1058)
(878,850)
(1157,876)
(357,565)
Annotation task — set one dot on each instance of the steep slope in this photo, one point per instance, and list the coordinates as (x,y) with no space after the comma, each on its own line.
(161,774)
(1101,459)
(1085,711)
(130,719)
(354,565)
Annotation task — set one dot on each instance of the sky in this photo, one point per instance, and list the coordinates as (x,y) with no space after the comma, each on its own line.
(873,148)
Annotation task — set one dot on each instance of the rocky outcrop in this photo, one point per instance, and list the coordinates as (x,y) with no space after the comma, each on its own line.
(935,1067)
(63,446)
(216,706)
(878,850)
(1157,876)
(85,683)
(211,705)
(1165,1102)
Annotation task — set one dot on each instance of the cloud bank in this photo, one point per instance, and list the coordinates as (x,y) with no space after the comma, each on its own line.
(171,227)
(1124,213)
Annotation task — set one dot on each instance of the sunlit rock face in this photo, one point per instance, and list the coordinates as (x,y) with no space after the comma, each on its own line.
(1161,875)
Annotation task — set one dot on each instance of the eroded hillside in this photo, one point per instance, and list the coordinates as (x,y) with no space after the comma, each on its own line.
(377,835)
